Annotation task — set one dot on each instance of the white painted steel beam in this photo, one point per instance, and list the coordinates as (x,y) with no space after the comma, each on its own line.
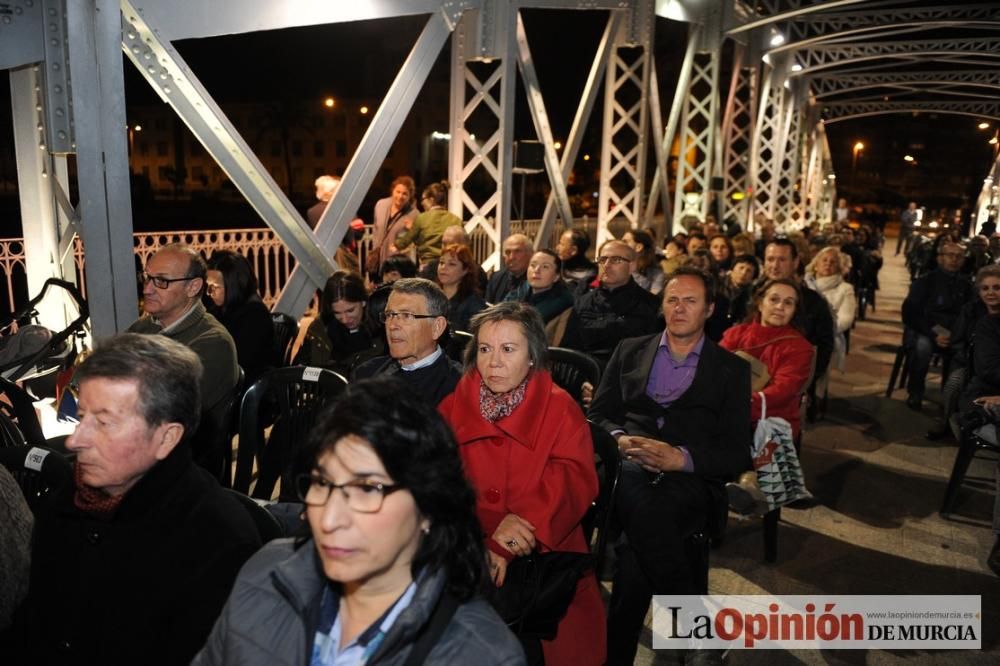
(838,111)
(21,30)
(95,42)
(583,111)
(540,118)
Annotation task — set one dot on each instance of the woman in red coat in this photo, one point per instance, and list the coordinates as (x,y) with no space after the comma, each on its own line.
(773,337)
(528,453)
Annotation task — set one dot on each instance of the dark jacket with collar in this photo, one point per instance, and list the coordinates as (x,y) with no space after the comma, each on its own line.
(936,300)
(434,382)
(209,339)
(607,316)
(711,419)
(141,587)
(272,614)
(502,283)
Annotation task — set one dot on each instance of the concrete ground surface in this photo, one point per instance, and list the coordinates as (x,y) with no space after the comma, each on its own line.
(875,528)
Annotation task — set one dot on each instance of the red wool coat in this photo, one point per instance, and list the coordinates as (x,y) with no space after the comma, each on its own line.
(537,463)
(789,360)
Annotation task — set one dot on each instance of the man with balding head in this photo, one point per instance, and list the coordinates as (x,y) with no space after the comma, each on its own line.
(517,251)
(172,285)
(617,307)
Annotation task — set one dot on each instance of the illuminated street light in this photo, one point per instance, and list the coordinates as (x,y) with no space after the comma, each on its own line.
(364,110)
(908,158)
(796,67)
(329,102)
(138,128)
(993,141)
(557,145)
(586,158)
(858,147)
(777,39)
(983,125)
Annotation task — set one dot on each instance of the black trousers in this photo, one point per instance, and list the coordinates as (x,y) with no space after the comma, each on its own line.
(656,519)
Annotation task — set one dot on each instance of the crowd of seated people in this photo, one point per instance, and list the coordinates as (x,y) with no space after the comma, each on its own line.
(374,567)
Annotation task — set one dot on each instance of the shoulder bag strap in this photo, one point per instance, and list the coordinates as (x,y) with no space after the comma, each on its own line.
(763,405)
(445,609)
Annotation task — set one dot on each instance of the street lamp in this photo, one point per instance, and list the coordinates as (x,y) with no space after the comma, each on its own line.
(329,102)
(858,147)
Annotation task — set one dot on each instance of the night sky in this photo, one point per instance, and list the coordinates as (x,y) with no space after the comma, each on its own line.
(359,60)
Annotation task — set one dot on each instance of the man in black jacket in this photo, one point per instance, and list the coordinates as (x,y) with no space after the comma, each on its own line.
(679,406)
(516,256)
(929,313)
(415,319)
(133,562)
(617,308)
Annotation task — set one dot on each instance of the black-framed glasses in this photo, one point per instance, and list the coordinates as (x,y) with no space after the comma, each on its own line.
(162,282)
(402,317)
(361,495)
(613,260)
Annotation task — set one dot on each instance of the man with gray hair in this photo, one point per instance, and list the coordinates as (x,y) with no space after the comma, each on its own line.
(415,318)
(133,562)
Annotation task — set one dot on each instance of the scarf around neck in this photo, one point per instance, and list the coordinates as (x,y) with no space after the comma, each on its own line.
(91,500)
(495,406)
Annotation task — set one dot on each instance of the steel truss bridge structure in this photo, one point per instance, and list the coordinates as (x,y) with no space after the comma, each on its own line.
(796,65)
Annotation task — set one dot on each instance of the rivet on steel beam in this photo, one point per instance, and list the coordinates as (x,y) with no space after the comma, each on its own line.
(57,89)
(167,89)
(60,113)
(62,135)
(6,20)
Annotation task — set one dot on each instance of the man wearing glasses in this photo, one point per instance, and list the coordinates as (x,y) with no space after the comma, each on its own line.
(415,318)
(929,313)
(616,308)
(172,285)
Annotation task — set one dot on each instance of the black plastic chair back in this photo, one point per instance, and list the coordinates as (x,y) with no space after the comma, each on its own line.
(38,471)
(292,397)
(215,435)
(285,330)
(571,368)
(21,410)
(457,343)
(267,525)
(600,516)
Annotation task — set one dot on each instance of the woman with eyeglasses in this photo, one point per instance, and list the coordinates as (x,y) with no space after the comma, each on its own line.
(428,230)
(528,452)
(458,277)
(393,568)
(231,295)
(339,331)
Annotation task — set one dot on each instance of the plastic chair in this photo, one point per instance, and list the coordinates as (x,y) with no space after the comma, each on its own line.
(571,368)
(38,471)
(293,397)
(267,525)
(285,329)
(969,444)
(222,425)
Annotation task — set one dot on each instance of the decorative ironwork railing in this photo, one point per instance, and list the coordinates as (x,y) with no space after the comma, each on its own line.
(270,259)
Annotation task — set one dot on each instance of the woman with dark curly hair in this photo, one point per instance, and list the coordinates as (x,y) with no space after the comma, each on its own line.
(394,562)
(231,296)
(458,277)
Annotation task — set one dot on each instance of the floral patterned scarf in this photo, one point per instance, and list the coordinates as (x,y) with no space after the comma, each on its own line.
(495,406)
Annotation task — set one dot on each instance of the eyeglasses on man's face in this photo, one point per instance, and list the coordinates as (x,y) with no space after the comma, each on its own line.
(402,317)
(163,282)
(613,259)
(361,495)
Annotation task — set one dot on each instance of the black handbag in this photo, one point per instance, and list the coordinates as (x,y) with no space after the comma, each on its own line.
(537,591)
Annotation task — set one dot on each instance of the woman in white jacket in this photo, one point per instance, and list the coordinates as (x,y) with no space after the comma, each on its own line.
(825,274)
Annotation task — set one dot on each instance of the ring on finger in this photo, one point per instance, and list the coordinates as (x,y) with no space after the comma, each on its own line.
(512,543)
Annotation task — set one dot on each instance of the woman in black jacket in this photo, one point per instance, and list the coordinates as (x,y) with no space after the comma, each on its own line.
(231,296)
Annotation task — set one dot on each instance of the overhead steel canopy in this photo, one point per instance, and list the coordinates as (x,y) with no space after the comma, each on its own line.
(885,56)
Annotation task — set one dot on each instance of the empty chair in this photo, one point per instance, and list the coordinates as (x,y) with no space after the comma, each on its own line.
(291,397)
